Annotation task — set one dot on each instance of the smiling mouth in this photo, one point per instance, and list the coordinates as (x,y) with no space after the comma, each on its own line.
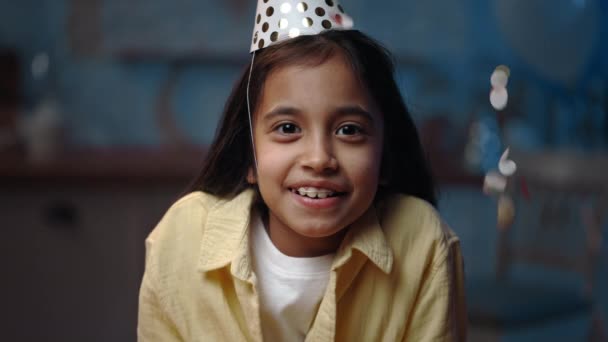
(315,193)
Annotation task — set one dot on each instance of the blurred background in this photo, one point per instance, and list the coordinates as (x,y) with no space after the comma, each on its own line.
(107,106)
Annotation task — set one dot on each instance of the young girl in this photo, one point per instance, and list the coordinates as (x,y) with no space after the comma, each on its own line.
(313,217)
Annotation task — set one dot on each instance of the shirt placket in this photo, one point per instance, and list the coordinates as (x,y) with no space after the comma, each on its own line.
(244,285)
(324,326)
(249,301)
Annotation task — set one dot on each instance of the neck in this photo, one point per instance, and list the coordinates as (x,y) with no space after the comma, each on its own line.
(295,245)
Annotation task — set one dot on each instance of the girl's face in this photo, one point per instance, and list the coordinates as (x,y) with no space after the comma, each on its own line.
(318,138)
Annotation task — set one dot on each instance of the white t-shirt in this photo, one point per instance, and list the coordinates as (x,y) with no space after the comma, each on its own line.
(290,289)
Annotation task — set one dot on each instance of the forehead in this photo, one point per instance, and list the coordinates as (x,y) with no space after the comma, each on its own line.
(315,87)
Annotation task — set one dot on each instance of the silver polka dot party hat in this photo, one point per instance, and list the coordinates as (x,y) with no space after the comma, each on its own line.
(279,20)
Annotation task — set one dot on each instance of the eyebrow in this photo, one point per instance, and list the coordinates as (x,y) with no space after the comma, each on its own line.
(282,110)
(356,110)
(340,111)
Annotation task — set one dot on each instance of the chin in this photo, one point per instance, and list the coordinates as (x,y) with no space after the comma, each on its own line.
(321,231)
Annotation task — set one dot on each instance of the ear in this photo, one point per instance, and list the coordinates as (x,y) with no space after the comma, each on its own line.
(251,176)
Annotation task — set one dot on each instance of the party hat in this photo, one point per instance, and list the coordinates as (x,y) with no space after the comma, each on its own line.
(279,20)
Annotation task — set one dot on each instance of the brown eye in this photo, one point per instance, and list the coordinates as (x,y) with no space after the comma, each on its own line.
(288,128)
(349,130)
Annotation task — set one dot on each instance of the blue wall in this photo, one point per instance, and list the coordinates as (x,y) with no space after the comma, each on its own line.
(106,101)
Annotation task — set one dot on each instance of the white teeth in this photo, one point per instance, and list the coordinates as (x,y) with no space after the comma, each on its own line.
(314,192)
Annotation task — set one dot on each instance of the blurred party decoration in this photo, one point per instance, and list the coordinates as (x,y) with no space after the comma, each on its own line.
(485,135)
(557,38)
(506,212)
(482,150)
(506,166)
(494,183)
(500,76)
(499,96)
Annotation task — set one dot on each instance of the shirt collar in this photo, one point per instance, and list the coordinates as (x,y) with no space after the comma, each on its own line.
(366,236)
(226,241)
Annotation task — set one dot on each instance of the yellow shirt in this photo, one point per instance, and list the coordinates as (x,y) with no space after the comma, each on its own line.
(397,275)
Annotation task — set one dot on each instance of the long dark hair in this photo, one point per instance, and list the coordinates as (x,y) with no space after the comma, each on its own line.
(404,167)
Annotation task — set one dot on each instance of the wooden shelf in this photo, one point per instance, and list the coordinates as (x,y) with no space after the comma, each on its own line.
(103,166)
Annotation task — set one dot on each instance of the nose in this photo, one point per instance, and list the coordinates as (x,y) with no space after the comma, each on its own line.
(319,156)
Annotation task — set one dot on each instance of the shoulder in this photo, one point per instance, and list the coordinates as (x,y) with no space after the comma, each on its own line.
(180,217)
(415,230)
(179,232)
(412,218)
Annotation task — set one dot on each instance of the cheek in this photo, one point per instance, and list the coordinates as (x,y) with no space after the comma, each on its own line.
(269,154)
(363,168)
(272,164)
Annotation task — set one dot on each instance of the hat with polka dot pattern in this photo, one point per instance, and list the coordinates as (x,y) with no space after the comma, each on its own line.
(279,20)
